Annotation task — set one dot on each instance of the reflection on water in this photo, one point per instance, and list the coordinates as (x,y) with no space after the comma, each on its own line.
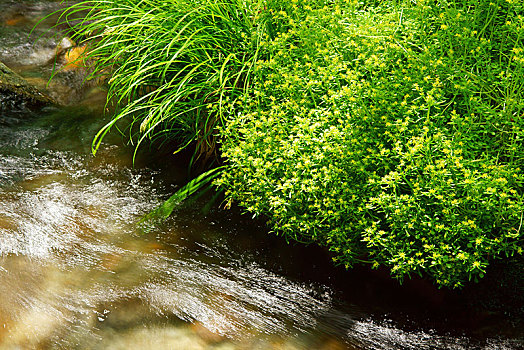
(75,273)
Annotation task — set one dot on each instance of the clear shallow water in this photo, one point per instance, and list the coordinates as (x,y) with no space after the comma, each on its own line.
(75,273)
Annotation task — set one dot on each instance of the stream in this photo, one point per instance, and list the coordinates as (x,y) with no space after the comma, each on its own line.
(76,273)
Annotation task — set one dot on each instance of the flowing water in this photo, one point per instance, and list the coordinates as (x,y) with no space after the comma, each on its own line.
(76,273)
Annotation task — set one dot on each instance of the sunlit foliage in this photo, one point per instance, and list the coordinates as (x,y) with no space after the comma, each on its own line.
(391,134)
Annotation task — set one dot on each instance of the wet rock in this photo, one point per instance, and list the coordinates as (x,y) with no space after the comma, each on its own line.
(154,338)
(75,57)
(15,20)
(32,328)
(124,314)
(205,334)
(65,90)
(64,45)
(17,94)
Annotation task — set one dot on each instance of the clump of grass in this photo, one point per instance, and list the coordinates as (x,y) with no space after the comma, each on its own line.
(175,66)
(201,184)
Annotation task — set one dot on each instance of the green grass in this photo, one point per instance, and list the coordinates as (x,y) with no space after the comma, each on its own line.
(175,66)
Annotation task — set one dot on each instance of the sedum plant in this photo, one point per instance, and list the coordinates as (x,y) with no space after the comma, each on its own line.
(390,133)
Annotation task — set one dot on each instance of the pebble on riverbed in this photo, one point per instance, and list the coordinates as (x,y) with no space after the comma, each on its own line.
(15,20)
(205,334)
(74,58)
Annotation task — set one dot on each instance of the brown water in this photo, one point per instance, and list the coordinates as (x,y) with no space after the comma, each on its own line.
(76,274)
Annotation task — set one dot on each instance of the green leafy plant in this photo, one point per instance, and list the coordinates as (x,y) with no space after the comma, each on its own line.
(388,131)
(201,183)
(392,134)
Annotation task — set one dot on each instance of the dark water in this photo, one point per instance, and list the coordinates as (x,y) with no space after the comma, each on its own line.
(76,273)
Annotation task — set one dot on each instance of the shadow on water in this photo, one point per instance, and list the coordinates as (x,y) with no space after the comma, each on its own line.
(75,273)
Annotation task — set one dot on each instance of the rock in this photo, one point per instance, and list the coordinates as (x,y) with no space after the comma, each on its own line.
(75,57)
(205,334)
(15,20)
(157,338)
(17,94)
(64,45)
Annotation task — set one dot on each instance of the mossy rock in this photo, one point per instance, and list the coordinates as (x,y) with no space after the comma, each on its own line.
(16,93)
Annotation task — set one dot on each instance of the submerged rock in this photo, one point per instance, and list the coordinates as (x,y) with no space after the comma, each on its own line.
(17,94)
